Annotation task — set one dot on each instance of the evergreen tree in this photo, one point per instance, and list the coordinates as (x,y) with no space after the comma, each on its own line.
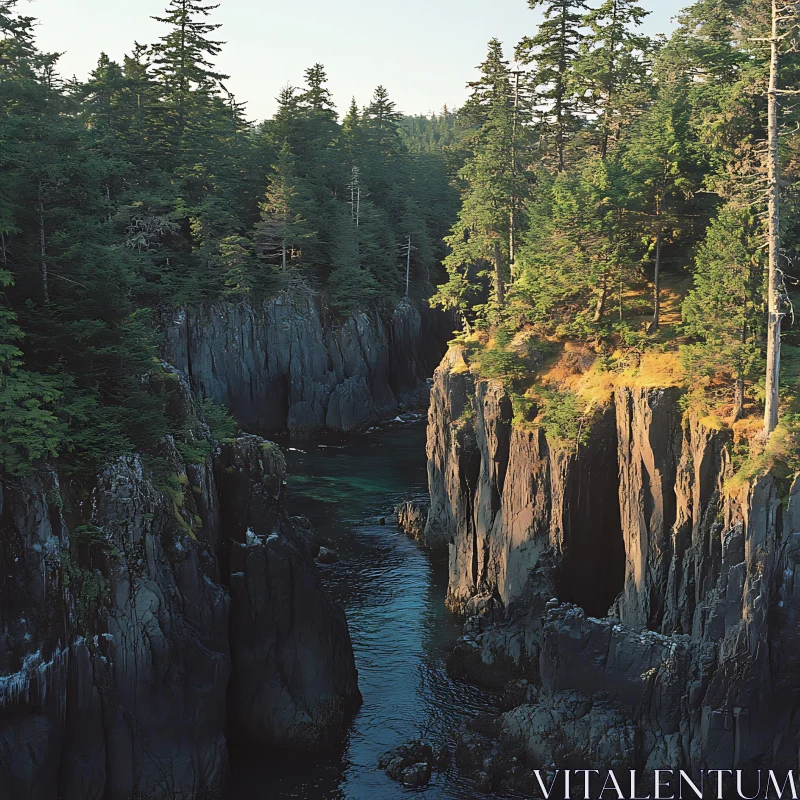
(181,58)
(381,121)
(611,68)
(283,229)
(723,309)
(480,238)
(553,51)
(663,163)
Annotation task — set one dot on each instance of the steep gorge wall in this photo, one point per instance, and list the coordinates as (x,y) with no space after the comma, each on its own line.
(698,654)
(280,364)
(172,606)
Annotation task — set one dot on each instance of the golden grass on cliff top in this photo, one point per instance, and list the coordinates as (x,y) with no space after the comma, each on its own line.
(579,370)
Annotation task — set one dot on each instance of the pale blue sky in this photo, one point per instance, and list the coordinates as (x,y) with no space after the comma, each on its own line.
(423,51)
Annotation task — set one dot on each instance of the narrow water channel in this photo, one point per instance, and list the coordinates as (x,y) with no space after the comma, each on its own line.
(393,593)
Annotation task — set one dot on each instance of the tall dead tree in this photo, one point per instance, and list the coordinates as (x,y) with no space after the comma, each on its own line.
(784,19)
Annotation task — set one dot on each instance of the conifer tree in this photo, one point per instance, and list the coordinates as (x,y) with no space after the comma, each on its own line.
(723,309)
(662,162)
(182,58)
(381,120)
(553,51)
(283,228)
(611,66)
(480,237)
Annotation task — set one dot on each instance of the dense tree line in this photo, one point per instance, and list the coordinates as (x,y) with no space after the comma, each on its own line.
(603,163)
(146,187)
(600,171)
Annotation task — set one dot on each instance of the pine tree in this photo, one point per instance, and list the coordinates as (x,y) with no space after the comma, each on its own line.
(723,309)
(283,229)
(662,161)
(481,235)
(317,97)
(182,58)
(381,120)
(611,68)
(553,51)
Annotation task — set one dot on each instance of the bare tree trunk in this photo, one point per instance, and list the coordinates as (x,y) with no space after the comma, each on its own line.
(773,280)
(656,284)
(512,222)
(283,256)
(601,301)
(498,273)
(43,244)
(738,400)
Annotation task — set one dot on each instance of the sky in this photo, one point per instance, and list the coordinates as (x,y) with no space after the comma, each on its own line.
(422,51)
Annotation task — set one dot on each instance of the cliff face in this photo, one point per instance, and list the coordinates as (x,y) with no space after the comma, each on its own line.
(656,615)
(281,365)
(128,616)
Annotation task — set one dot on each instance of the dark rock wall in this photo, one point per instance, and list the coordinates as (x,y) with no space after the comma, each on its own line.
(171,606)
(502,497)
(282,365)
(698,652)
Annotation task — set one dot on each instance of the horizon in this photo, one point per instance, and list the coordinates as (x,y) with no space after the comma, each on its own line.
(460,40)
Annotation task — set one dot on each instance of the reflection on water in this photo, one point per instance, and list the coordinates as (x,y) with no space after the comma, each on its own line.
(393,593)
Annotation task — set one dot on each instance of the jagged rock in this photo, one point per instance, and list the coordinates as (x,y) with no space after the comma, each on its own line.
(412,516)
(416,776)
(128,625)
(293,679)
(350,405)
(655,611)
(518,692)
(410,764)
(505,498)
(281,365)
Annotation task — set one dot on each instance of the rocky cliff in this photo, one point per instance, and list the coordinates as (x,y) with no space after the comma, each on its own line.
(652,611)
(281,364)
(148,617)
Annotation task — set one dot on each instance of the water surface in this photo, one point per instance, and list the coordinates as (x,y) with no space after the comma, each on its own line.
(393,593)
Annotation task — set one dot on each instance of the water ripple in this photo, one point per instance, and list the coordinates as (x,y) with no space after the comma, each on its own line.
(393,593)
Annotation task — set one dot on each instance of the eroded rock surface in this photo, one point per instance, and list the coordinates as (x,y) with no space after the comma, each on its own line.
(148,615)
(654,612)
(412,516)
(282,365)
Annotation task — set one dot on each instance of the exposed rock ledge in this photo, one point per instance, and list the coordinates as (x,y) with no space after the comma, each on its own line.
(693,648)
(282,365)
(142,621)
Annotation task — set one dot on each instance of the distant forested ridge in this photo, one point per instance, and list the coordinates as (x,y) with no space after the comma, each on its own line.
(146,187)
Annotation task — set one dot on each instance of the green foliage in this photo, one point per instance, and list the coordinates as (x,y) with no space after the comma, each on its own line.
(562,417)
(722,311)
(221,424)
(88,589)
(146,188)
(499,360)
(29,427)
(89,536)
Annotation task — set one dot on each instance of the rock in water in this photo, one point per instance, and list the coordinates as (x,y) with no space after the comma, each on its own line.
(327,556)
(293,676)
(410,764)
(412,516)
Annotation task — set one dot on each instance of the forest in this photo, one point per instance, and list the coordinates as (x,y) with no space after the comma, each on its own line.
(604,206)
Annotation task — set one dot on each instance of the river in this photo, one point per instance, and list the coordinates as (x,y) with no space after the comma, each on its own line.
(393,593)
